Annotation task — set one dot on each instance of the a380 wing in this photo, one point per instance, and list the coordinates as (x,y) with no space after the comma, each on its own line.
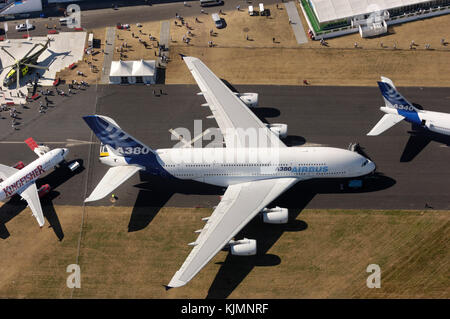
(232,115)
(239,204)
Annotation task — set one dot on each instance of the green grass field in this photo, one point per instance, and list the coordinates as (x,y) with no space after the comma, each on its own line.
(322,254)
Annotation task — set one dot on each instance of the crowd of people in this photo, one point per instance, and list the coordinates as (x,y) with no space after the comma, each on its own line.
(44,102)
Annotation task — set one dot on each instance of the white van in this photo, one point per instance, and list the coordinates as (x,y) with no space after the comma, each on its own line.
(67,20)
(261,7)
(250,11)
(217,21)
(90,41)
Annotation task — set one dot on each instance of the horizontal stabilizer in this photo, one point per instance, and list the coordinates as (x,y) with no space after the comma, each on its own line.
(30,194)
(112,179)
(7,171)
(386,122)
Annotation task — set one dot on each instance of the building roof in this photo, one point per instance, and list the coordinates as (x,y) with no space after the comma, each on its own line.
(331,10)
(121,68)
(144,68)
(133,68)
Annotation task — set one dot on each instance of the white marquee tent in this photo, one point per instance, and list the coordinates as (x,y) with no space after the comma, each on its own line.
(130,72)
(332,10)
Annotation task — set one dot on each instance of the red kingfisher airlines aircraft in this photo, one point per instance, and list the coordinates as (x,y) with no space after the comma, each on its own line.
(21,179)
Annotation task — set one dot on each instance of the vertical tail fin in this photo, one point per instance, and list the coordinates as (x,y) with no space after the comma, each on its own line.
(109,133)
(39,150)
(393,98)
(137,156)
(31,143)
(397,108)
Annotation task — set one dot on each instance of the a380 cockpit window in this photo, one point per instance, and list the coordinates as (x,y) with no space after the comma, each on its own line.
(365,163)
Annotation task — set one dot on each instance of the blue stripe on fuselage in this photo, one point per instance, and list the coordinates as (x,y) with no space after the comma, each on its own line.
(411,117)
(149,161)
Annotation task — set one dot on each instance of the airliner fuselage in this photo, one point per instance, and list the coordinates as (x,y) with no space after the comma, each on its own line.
(228,166)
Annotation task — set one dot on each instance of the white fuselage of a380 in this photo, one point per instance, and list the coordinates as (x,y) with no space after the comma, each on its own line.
(228,166)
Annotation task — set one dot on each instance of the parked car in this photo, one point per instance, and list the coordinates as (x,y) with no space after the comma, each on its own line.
(123,26)
(24,27)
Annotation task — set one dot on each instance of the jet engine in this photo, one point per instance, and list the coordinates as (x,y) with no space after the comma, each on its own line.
(243,247)
(279,129)
(250,99)
(44,190)
(276,215)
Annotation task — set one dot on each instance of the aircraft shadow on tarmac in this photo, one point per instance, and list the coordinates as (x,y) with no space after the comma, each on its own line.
(419,138)
(156,191)
(15,205)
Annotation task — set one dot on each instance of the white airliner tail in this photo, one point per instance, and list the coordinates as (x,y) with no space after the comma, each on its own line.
(386,122)
(131,154)
(396,107)
(113,178)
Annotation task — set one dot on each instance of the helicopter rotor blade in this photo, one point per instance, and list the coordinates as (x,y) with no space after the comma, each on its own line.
(8,66)
(9,53)
(18,76)
(31,50)
(35,66)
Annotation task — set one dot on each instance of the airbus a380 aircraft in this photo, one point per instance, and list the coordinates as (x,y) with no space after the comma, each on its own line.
(398,108)
(21,180)
(255,171)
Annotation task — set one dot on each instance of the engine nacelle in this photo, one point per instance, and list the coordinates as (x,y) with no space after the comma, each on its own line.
(280,129)
(243,247)
(44,190)
(19,165)
(276,215)
(250,99)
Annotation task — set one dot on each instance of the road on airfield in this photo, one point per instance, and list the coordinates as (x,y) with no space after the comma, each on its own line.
(97,16)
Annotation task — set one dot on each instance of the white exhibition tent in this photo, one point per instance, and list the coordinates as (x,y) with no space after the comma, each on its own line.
(334,10)
(130,72)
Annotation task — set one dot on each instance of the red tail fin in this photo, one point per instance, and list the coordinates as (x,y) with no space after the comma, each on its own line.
(31,143)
